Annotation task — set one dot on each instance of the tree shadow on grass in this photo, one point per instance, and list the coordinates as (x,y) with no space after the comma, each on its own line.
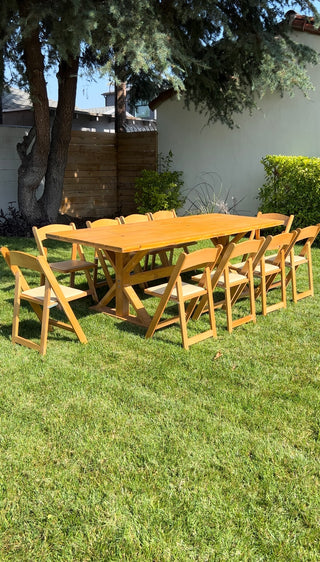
(31,327)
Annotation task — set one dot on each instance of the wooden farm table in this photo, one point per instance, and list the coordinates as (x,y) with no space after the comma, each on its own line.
(125,245)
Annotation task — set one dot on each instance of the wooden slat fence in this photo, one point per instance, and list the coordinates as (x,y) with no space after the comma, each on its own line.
(101,169)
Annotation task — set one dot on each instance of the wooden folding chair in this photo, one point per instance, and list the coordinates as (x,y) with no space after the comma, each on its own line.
(102,256)
(179,291)
(70,266)
(41,299)
(306,236)
(273,266)
(163,214)
(286,222)
(235,280)
(135,217)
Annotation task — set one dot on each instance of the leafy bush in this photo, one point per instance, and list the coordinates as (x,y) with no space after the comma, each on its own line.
(157,190)
(12,223)
(292,186)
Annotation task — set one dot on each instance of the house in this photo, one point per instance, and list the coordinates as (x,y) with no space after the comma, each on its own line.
(17,110)
(221,163)
(140,110)
(92,189)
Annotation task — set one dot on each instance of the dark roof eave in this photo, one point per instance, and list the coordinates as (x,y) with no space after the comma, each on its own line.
(305,24)
(164,96)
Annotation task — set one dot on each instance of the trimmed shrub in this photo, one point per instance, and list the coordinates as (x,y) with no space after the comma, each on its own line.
(292,186)
(158,190)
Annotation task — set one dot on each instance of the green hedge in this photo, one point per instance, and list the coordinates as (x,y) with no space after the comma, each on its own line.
(292,186)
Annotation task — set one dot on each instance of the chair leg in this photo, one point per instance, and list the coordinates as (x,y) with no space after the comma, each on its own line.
(109,280)
(296,296)
(310,273)
(252,300)
(182,316)
(16,312)
(157,315)
(45,322)
(228,309)
(212,314)
(283,289)
(263,296)
(91,286)
(95,272)
(74,323)
(72,277)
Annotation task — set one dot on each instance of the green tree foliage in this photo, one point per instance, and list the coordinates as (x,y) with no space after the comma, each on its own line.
(219,54)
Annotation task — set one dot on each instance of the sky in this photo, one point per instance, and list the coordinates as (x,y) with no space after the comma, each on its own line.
(89,92)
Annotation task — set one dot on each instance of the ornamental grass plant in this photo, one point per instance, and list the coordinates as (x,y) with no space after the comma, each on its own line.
(127,449)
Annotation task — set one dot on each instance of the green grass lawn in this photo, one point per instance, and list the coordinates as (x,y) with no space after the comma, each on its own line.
(127,449)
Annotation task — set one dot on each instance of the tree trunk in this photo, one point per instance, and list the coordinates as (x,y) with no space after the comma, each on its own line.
(40,157)
(34,148)
(60,139)
(120,107)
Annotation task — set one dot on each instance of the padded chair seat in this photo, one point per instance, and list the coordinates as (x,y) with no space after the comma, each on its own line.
(37,293)
(188,290)
(297,260)
(234,278)
(269,268)
(71,265)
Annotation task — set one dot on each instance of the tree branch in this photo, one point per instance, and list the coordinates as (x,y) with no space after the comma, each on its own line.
(22,147)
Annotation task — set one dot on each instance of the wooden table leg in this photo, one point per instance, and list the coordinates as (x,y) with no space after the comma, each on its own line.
(122,302)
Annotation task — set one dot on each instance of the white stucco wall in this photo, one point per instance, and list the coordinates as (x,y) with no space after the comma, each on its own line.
(9,163)
(288,126)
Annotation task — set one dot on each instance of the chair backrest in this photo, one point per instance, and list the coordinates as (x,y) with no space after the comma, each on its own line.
(165,214)
(282,243)
(24,286)
(251,249)
(135,217)
(205,258)
(285,219)
(20,259)
(40,235)
(24,260)
(101,222)
(309,234)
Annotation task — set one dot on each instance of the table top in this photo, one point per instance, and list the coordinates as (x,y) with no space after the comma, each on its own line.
(150,235)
